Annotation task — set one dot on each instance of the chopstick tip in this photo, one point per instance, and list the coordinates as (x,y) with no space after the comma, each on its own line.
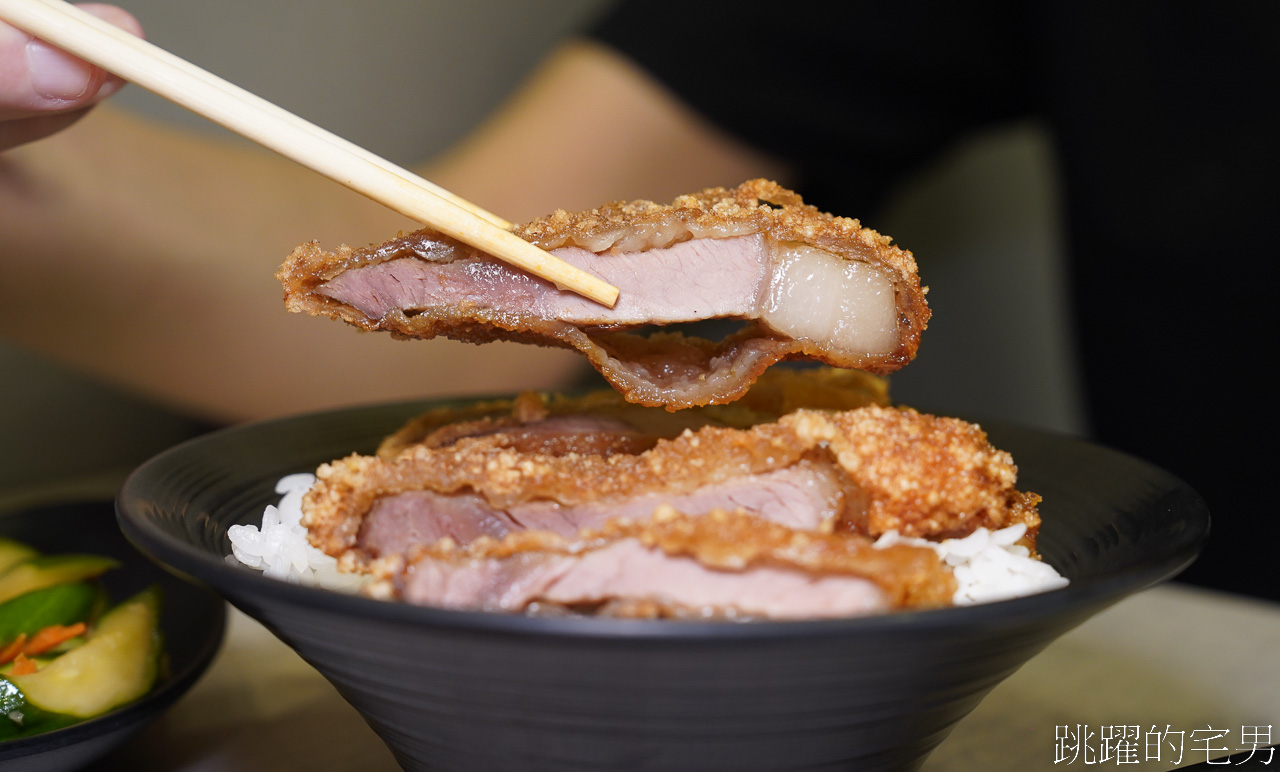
(593,289)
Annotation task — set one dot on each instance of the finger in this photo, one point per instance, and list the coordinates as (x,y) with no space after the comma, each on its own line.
(37,78)
(125,21)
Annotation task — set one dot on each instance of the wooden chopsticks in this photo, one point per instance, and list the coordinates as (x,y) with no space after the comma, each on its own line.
(230,106)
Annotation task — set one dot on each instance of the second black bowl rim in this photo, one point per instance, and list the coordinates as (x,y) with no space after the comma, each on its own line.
(236,582)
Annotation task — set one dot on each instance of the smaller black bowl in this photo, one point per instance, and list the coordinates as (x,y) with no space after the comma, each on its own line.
(193,620)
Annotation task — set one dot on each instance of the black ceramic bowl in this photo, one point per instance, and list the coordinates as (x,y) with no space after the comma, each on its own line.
(192,619)
(468,691)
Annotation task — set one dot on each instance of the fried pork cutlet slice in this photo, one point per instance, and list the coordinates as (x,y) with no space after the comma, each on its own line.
(602,422)
(718,565)
(867,471)
(806,285)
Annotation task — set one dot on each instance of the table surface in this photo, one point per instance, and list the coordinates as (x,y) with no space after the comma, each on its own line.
(1174,657)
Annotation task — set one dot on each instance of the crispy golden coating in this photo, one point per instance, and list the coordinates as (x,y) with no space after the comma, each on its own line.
(663,369)
(754,206)
(757,205)
(926,476)
(916,474)
(778,391)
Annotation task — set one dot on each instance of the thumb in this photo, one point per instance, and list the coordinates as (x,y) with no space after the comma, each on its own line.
(36,78)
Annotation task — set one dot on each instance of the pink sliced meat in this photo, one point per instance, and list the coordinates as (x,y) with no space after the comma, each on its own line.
(803,284)
(808,496)
(627,570)
(717,278)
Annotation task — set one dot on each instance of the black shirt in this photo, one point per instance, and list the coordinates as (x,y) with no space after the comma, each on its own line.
(1165,118)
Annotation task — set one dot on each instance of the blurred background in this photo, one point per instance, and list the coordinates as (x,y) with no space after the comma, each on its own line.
(407,79)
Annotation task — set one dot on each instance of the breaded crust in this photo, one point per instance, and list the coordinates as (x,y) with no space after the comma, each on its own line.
(778,391)
(667,369)
(918,474)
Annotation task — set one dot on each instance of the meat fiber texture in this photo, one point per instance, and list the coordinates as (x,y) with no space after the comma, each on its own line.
(444,497)
(806,285)
(672,565)
(359,517)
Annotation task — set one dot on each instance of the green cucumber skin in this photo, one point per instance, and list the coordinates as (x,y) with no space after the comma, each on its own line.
(61,604)
(34,720)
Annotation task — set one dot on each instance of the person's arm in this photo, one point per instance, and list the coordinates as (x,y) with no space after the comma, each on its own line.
(591,127)
(146,255)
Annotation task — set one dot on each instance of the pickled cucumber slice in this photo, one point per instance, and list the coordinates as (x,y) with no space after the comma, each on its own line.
(116,665)
(40,572)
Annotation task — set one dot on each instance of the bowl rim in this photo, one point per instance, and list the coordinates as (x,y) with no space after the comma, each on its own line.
(244,586)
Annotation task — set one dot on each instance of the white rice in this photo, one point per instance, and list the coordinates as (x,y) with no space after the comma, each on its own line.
(279,547)
(988,565)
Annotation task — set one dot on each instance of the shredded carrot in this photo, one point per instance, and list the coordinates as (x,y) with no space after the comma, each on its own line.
(22,665)
(51,636)
(13,649)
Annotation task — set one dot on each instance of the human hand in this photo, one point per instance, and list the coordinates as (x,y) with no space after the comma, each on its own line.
(42,89)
